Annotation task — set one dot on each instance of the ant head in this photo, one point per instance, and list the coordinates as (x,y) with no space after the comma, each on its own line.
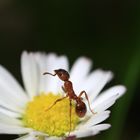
(62,74)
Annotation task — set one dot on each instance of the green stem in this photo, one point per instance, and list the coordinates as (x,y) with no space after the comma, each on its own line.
(120,111)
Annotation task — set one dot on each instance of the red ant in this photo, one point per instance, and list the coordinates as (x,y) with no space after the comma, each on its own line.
(80,108)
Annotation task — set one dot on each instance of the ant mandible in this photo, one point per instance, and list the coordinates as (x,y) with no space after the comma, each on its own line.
(80,108)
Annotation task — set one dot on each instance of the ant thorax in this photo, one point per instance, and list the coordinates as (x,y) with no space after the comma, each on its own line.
(68,86)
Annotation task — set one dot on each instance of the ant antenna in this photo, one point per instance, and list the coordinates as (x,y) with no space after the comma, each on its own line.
(49,73)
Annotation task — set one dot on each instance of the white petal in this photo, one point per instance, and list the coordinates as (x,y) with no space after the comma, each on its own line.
(51,81)
(30,73)
(10,88)
(53,138)
(90,131)
(13,129)
(104,104)
(95,119)
(9,103)
(54,62)
(79,71)
(101,127)
(100,79)
(41,61)
(92,80)
(9,100)
(9,120)
(85,132)
(10,113)
(35,135)
(108,98)
(119,89)
(27,137)
(49,63)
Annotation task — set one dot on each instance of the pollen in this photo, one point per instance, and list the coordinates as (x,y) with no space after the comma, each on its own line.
(54,121)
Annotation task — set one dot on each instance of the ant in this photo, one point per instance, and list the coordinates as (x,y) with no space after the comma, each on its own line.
(80,108)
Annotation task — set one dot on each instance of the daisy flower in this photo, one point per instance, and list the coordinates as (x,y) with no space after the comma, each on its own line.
(23,111)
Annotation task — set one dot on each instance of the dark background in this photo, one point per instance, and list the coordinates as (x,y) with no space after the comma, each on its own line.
(107,31)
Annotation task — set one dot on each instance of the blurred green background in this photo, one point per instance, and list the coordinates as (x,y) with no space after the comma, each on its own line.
(108,32)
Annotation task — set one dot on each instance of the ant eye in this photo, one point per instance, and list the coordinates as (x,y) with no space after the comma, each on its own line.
(61,74)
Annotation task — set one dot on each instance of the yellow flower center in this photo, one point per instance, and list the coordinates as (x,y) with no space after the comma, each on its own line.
(55,121)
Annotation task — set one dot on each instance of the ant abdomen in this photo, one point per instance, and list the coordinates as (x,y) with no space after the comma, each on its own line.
(80,109)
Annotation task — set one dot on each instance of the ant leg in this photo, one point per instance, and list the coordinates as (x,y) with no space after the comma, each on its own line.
(83,92)
(58,100)
(70,115)
(63,88)
(49,73)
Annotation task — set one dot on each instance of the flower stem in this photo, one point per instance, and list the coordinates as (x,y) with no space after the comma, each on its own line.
(70,138)
(120,111)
